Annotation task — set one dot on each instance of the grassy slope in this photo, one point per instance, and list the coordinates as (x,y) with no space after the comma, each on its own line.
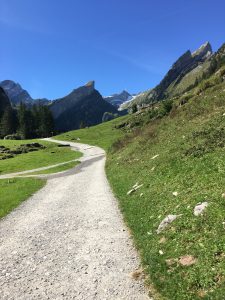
(103,135)
(49,156)
(197,129)
(22,189)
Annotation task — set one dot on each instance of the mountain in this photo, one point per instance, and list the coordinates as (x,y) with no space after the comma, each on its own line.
(83,107)
(118,99)
(4,101)
(183,75)
(15,92)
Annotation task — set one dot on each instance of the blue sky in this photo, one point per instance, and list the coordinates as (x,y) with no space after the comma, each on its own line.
(51,47)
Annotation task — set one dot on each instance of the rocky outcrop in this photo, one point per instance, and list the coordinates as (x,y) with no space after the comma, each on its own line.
(202,53)
(15,92)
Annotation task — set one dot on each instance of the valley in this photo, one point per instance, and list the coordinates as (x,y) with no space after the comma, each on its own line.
(165,165)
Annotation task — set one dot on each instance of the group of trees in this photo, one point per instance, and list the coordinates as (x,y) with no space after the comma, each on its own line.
(33,122)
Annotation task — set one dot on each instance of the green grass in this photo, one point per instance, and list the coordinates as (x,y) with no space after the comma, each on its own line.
(14,191)
(102,135)
(191,161)
(42,158)
(57,169)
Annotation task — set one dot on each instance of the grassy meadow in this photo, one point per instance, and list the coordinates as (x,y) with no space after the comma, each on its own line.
(51,155)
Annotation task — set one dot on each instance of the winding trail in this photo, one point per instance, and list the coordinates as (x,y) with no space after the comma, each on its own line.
(68,241)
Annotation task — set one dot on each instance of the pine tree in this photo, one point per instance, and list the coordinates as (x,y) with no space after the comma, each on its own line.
(7,122)
(46,122)
(26,122)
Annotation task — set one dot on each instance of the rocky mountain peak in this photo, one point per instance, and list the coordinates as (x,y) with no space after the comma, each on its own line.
(90,84)
(204,51)
(15,92)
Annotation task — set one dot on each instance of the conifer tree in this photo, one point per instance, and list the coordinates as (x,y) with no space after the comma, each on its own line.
(7,124)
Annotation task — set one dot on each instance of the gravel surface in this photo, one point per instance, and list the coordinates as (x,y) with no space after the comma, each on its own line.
(68,241)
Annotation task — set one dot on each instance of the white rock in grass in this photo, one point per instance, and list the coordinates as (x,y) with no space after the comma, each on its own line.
(165,222)
(199,208)
(135,185)
(134,188)
(161,252)
(175,194)
(155,156)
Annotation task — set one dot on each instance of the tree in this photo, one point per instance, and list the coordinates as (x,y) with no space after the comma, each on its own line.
(46,122)
(26,122)
(7,125)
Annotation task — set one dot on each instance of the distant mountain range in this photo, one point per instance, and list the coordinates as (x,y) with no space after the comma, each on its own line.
(118,99)
(83,106)
(17,94)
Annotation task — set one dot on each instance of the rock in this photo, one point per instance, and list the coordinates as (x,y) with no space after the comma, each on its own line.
(199,208)
(165,222)
(187,260)
(171,261)
(161,252)
(155,156)
(175,194)
(134,188)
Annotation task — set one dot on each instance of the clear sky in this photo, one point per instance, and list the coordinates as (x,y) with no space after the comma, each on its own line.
(52,46)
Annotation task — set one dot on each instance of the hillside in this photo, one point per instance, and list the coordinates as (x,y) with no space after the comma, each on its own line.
(174,152)
(186,73)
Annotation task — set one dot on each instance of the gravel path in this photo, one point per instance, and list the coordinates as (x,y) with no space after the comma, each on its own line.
(68,241)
